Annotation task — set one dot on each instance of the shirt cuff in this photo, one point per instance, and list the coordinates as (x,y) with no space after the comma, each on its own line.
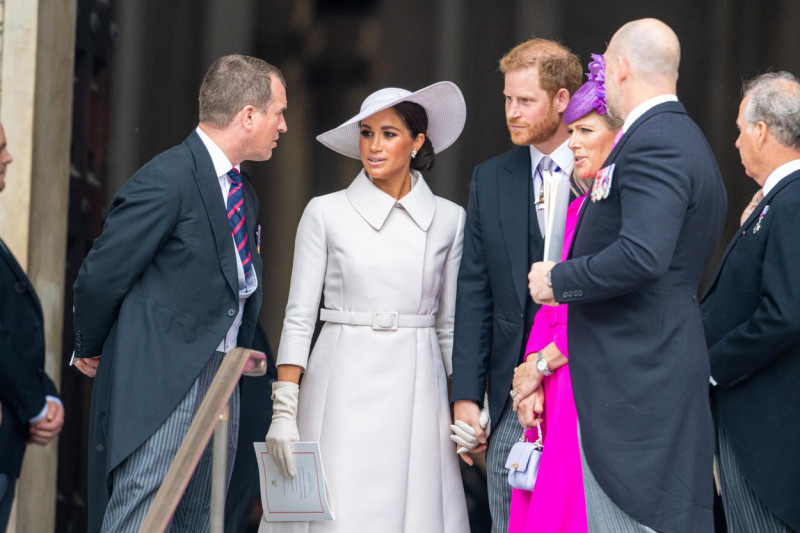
(43,412)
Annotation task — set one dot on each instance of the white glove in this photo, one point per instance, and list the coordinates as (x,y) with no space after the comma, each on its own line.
(464,434)
(283,428)
(484,420)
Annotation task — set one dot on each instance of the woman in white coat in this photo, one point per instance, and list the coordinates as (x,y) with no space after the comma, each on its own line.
(384,254)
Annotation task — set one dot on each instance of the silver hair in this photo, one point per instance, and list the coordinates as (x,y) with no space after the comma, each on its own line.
(775,100)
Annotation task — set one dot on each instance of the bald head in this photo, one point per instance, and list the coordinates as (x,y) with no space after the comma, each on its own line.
(651,49)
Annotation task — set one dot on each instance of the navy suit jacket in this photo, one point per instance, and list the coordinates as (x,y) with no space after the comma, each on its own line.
(494,310)
(638,356)
(155,297)
(751,314)
(23,383)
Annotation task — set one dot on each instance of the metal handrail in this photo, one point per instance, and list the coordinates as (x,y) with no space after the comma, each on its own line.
(212,414)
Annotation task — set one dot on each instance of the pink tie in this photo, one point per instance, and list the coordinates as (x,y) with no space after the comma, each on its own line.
(757,197)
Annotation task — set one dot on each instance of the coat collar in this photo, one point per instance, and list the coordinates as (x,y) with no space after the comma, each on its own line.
(374,205)
(671,106)
(744,228)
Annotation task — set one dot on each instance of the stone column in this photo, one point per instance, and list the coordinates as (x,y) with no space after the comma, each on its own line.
(38,43)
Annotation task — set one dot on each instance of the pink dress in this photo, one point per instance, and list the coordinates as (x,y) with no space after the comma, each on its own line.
(556,503)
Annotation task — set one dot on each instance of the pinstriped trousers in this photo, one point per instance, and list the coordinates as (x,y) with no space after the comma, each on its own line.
(744,512)
(137,479)
(602,514)
(502,438)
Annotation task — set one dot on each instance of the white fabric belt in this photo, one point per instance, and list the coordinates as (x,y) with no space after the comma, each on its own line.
(382,320)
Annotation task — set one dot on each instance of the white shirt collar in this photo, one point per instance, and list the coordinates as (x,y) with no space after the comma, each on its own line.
(562,156)
(644,107)
(221,162)
(374,205)
(779,173)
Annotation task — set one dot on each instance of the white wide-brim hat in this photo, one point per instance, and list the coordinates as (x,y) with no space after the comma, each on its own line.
(443,103)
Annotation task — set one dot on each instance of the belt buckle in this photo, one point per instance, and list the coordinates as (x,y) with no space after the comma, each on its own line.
(384,320)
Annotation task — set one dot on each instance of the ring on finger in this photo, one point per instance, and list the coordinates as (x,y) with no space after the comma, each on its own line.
(513,393)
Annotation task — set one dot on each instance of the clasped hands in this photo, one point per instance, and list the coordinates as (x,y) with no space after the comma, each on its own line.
(471,428)
(529,397)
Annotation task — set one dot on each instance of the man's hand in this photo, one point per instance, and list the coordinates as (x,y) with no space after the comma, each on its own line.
(87,365)
(471,438)
(526,380)
(540,291)
(44,430)
(531,408)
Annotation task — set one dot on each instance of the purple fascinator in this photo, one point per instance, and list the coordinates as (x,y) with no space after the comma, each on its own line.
(592,95)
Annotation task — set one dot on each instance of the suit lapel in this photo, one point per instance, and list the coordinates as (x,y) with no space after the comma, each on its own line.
(23,284)
(513,187)
(252,225)
(751,220)
(208,185)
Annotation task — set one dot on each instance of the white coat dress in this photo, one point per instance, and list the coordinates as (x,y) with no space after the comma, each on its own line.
(376,399)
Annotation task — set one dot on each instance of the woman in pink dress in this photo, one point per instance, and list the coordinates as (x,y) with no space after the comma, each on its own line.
(542,387)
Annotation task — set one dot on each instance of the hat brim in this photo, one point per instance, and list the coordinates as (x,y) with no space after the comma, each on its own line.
(443,103)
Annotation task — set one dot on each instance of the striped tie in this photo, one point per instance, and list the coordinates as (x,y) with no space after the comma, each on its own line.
(236,218)
(757,197)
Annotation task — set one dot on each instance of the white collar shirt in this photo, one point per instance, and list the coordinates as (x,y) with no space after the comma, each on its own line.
(646,106)
(779,173)
(247,286)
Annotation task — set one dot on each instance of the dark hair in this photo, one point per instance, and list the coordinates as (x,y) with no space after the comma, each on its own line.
(416,120)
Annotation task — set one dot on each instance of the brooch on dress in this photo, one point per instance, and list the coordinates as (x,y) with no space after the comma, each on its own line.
(602,183)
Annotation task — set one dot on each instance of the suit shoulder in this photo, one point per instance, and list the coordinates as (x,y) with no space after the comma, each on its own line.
(516,156)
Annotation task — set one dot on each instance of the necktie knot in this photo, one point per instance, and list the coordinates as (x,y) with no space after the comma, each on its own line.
(547,164)
(234,175)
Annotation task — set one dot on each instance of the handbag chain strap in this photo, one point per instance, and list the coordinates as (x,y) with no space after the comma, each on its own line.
(524,437)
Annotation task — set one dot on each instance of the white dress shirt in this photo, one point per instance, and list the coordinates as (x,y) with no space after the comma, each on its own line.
(247,286)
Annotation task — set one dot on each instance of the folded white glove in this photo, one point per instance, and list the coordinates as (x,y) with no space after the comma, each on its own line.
(484,420)
(464,434)
(283,428)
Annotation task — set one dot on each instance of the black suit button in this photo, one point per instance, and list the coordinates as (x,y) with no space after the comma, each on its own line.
(20,287)
(565,294)
(231,312)
(578,293)
(99,448)
(38,326)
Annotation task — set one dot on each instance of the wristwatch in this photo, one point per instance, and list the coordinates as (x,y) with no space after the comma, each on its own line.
(541,365)
(547,278)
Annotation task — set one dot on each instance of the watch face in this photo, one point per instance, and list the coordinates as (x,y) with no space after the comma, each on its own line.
(541,366)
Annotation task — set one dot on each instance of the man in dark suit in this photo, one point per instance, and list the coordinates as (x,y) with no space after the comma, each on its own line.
(31,410)
(638,360)
(752,320)
(171,285)
(503,236)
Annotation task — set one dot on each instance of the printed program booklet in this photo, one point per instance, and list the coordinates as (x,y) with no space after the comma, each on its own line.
(301,498)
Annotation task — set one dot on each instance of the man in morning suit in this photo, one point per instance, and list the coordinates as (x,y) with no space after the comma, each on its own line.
(503,236)
(752,321)
(171,285)
(31,410)
(637,351)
